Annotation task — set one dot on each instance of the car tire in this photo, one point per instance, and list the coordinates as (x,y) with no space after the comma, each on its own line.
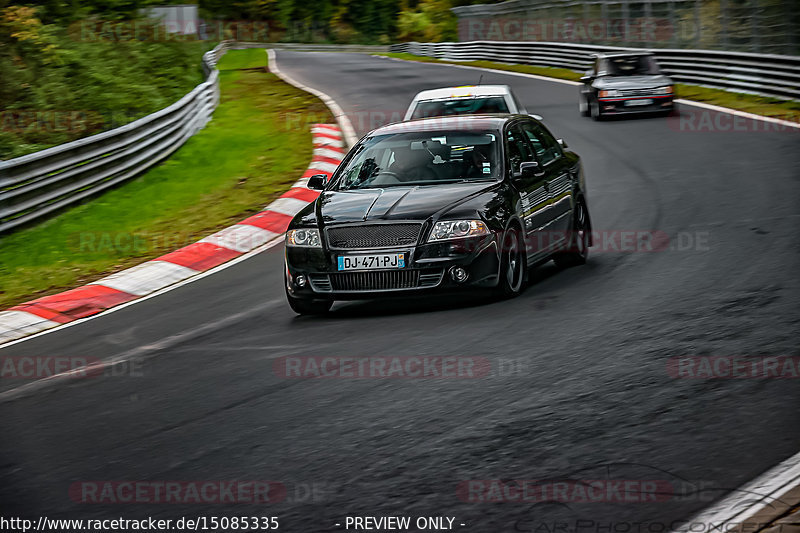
(577,250)
(583,107)
(309,307)
(512,265)
(594,110)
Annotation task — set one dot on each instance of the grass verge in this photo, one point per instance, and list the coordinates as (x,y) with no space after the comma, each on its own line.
(759,105)
(257,145)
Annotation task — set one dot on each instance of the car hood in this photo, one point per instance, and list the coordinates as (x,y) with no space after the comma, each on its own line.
(395,203)
(632,82)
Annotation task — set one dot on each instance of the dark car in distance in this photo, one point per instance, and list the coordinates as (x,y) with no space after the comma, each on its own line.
(625,82)
(439,204)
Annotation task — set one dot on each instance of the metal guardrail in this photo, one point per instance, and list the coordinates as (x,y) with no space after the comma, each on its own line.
(767,75)
(41,183)
(757,26)
(311,47)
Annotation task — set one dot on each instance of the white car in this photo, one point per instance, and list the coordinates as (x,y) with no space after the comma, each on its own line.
(465,100)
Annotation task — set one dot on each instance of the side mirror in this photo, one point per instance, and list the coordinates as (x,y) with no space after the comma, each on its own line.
(317,182)
(528,169)
(588,76)
(563,143)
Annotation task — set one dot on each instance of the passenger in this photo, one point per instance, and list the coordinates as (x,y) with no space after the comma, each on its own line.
(478,161)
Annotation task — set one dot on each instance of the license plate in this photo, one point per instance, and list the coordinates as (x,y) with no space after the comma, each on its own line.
(372,261)
(641,101)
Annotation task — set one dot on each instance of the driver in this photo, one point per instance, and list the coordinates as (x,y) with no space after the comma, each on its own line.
(412,165)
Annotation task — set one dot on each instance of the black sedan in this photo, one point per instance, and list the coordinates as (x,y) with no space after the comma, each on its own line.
(625,82)
(439,204)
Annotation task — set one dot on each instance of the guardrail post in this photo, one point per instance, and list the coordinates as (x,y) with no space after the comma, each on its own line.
(697,23)
(755,38)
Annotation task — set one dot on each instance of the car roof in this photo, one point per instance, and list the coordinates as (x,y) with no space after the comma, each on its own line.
(453,122)
(463,91)
(624,54)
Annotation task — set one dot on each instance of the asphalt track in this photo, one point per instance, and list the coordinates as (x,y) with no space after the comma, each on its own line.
(591,397)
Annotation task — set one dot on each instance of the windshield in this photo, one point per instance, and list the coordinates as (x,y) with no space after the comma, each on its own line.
(460,106)
(632,66)
(421,158)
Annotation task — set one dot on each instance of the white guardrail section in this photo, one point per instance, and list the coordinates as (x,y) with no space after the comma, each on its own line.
(768,75)
(38,184)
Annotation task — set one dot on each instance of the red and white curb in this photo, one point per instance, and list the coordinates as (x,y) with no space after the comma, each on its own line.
(51,311)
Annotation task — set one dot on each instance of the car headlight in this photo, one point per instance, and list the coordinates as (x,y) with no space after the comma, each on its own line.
(667,89)
(308,238)
(609,94)
(457,229)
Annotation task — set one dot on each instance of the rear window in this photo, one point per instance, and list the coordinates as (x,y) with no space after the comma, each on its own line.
(460,106)
(632,66)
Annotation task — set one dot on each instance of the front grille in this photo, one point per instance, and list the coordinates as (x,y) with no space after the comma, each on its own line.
(640,92)
(320,282)
(374,236)
(384,280)
(430,278)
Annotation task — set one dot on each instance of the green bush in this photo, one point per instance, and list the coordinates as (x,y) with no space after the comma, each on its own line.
(57,87)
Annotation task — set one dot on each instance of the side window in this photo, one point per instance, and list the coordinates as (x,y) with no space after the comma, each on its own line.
(546,146)
(534,139)
(517,150)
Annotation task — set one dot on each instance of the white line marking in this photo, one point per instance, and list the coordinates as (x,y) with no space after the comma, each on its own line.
(341,117)
(235,261)
(740,506)
(694,103)
(736,112)
(141,352)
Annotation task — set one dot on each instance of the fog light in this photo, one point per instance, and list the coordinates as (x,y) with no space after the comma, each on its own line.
(300,280)
(458,274)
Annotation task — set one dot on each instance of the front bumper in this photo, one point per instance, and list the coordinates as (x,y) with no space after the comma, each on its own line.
(629,105)
(427,270)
